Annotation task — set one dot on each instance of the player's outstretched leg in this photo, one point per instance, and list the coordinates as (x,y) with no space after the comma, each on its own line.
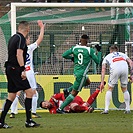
(66,92)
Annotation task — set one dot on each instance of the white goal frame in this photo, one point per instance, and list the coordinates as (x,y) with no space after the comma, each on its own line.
(76,5)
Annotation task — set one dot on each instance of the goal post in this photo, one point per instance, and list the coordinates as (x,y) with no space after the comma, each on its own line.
(59,5)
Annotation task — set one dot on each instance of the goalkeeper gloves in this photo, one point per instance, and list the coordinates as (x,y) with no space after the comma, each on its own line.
(98,47)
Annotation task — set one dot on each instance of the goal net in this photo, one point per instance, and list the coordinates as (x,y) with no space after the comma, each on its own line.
(105,23)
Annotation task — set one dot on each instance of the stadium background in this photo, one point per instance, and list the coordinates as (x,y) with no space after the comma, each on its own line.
(64,26)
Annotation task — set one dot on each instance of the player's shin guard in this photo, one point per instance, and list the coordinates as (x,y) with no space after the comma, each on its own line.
(6,108)
(28,102)
(127,100)
(108,97)
(68,100)
(14,104)
(34,102)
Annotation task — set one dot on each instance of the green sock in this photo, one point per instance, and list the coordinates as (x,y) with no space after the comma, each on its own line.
(70,88)
(68,100)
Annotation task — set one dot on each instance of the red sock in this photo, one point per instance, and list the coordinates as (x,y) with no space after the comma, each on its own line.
(93,96)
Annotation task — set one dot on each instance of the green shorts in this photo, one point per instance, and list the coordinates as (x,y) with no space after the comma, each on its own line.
(79,82)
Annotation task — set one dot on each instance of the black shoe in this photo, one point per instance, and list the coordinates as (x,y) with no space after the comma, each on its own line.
(4,125)
(12,115)
(34,115)
(31,124)
(66,93)
(59,111)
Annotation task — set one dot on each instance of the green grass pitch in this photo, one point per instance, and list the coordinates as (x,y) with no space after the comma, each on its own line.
(114,122)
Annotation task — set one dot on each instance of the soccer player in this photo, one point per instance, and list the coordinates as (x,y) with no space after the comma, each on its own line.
(82,56)
(30,72)
(16,75)
(118,63)
(76,106)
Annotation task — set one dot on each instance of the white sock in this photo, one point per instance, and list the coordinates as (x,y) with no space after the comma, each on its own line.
(14,105)
(108,97)
(34,102)
(127,100)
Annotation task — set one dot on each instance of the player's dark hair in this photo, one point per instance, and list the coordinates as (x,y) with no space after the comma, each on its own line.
(84,36)
(114,48)
(41,104)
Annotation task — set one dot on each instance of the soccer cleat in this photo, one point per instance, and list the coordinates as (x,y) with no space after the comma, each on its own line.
(90,109)
(59,111)
(4,125)
(31,124)
(127,112)
(34,115)
(12,115)
(66,93)
(104,112)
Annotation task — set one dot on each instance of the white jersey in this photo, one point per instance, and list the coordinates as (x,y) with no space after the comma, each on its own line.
(115,60)
(118,68)
(29,55)
(29,65)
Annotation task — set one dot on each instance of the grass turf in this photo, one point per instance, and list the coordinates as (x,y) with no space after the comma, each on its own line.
(114,122)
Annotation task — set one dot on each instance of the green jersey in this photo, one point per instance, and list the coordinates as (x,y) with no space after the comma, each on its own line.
(82,57)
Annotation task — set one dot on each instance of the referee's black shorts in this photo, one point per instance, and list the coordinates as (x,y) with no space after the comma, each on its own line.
(15,82)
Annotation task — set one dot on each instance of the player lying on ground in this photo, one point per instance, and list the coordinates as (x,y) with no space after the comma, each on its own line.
(76,106)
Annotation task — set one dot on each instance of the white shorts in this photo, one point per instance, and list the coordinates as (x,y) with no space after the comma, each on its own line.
(31,78)
(117,74)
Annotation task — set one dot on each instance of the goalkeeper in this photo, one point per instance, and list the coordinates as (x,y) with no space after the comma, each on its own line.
(76,106)
(82,56)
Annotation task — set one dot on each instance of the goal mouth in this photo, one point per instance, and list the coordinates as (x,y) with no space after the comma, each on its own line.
(73,12)
(104,23)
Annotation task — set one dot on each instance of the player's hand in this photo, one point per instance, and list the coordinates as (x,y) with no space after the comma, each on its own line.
(101,87)
(98,47)
(40,23)
(23,75)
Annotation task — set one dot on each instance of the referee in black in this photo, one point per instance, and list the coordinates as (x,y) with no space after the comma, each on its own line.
(16,77)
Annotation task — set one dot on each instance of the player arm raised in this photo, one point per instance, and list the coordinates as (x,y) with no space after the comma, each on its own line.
(40,37)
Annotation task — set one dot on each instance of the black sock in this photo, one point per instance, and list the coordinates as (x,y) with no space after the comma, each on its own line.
(6,108)
(28,102)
